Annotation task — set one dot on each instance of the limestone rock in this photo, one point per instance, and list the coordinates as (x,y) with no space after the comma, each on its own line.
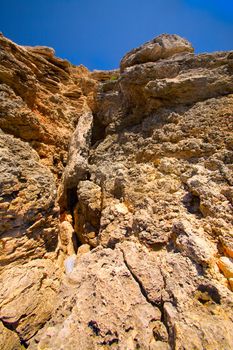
(67,244)
(87,212)
(28,208)
(83,249)
(77,167)
(104,307)
(41,50)
(194,244)
(142,157)
(105,75)
(163,46)
(9,339)
(37,99)
(145,267)
(27,297)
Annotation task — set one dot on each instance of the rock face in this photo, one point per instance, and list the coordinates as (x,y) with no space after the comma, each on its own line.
(139,255)
(28,294)
(101,285)
(28,231)
(29,213)
(41,99)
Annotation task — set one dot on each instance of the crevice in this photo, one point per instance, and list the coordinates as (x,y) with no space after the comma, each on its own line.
(208,293)
(192,203)
(98,131)
(159,305)
(12,327)
(71,198)
(142,289)
(170,331)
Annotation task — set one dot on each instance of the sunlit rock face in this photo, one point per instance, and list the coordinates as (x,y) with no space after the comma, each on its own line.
(41,99)
(116,200)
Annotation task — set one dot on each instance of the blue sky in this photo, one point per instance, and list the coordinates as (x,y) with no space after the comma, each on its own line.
(98,33)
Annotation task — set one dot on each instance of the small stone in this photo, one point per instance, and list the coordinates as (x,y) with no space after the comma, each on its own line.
(121,208)
(83,249)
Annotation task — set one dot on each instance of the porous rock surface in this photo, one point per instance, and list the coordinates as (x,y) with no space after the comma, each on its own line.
(129,244)
(41,99)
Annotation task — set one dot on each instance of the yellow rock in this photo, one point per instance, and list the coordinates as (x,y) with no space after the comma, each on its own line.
(229,251)
(121,208)
(84,248)
(226,266)
(231,283)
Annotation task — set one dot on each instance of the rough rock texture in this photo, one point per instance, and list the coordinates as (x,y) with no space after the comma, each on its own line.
(28,210)
(103,306)
(144,247)
(28,231)
(9,339)
(27,297)
(163,46)
(41,99)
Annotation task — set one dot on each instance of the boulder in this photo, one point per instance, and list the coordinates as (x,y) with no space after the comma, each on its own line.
(163,46)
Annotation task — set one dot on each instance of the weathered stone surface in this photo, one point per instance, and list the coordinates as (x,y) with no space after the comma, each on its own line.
(28,231)
(67,242)
(105,75)
(27,296)
(87,212)
(148,185)
(195,304)
(194,244)
(41,99)
(164,166)
(8,339)
(103,306)
(226,266)
(163,46)
(145,267)
(77,167)
(28,210)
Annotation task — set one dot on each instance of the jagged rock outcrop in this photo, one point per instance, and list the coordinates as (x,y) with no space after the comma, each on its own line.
(41,99)
(163,46)
(146,232)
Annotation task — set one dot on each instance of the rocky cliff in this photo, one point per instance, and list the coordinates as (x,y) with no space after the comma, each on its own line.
(116,200)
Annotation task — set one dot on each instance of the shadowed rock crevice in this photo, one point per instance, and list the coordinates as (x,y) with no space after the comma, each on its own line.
(143,291)
(98,131)
(166,335)
(22,343)
(192,203)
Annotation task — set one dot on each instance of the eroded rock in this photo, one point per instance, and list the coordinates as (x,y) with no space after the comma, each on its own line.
(163,46)
(104,307)
(9,339)
(27,297)
(145,234)
(29,212)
